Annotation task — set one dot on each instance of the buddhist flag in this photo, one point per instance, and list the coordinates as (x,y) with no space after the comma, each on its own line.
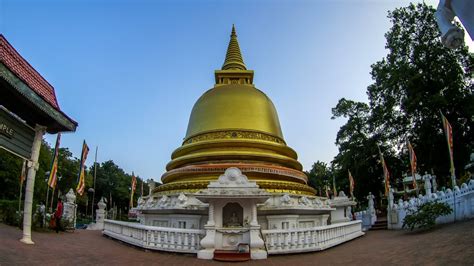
(386,174)
(351,184)
(23,173)
(134,186)
(448,131)
(412,155)
(52,180)
(81,185)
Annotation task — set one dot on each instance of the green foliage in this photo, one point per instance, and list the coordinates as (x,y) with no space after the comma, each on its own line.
(9,212)
(319,177)
(112,183)
(10,169)
(417,79)
(425,216)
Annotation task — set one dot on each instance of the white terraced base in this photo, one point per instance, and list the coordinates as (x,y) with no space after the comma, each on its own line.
(153,237)
(233,210)
(310,239)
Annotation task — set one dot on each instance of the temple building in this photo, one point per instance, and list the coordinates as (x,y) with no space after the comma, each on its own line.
(28,110)
(234,184)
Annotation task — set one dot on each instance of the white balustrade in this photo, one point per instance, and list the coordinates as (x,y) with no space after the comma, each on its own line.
(280,241)
(153,237)
(461,201)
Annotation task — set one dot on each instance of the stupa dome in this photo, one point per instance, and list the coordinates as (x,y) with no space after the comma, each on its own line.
(234,106)
(234,124)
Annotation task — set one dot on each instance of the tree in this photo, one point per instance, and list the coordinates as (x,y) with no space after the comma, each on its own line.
(412,84)
(319,177)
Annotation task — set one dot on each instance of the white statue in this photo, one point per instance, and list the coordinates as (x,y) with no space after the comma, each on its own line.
(163,201)
(435,185)
(427,179)
(70,196)
(141,202)
(285,199)
(371,198)
(390,197)
(151,186)
(102,204)
(304,200)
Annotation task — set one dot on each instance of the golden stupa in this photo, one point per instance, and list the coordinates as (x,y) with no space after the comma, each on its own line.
(234,124)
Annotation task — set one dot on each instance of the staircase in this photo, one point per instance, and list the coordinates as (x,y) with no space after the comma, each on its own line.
(380,224)
(231,255)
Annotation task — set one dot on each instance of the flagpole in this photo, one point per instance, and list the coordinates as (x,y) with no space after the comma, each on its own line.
(52,198)
(95,173)
(47,197)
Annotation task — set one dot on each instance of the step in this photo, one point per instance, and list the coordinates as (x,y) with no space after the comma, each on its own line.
(231,255)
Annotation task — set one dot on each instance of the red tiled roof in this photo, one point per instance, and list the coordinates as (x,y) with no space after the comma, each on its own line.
(23,70)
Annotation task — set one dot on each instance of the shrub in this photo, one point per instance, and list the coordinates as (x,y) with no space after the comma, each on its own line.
(425,216)
(9,212)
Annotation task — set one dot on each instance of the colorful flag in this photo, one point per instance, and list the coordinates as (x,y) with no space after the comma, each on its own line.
(334,190)
(386,174)
(81,185)
(448,131)
(52,180)
(411,153)
(23,173)
(351,184)
(134,185)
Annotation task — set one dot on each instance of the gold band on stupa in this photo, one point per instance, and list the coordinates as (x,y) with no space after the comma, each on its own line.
(234,124)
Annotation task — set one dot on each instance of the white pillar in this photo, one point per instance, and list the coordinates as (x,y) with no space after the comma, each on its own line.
(30,184)
(210,220)
(254,221)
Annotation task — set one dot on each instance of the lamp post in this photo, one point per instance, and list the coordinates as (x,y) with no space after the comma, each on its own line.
(91,190)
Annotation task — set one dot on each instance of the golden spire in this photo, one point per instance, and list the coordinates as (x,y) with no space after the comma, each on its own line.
(233,58)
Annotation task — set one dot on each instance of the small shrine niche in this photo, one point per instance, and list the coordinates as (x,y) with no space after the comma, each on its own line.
(232,215)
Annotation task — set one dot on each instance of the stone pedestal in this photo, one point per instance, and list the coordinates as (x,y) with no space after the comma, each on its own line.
(70,209)
(257,245)
(343,208)
(208,243)
(100,216)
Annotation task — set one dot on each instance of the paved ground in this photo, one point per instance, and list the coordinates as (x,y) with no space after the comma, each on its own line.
(447,245)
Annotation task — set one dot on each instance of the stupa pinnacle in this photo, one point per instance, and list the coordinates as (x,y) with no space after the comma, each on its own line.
(233,58)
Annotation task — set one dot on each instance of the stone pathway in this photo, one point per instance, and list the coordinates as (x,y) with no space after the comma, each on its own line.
(451,244)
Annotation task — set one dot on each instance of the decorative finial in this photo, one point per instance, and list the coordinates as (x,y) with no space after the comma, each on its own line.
(233,58)
(233,31)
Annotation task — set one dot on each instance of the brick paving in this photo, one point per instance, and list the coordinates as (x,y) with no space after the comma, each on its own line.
(451,244)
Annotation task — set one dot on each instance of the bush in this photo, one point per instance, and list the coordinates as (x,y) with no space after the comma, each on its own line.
(425,216)
(9,212)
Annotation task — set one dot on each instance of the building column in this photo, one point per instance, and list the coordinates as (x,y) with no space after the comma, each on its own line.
(30,184)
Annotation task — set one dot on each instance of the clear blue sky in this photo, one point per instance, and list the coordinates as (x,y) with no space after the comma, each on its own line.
(130,71)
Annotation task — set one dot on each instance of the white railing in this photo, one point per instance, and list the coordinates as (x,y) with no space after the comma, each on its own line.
(461,201)
(310,239)
(153,237)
